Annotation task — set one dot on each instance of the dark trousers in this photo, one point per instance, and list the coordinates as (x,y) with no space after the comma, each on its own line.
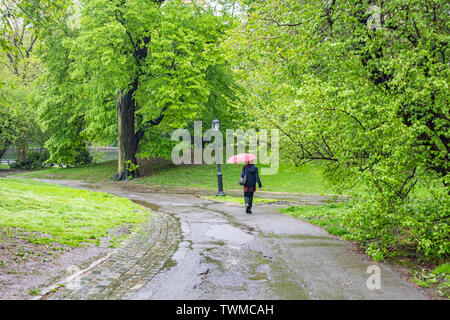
(248,197)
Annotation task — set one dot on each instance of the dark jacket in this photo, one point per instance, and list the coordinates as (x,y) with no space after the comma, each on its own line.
(252,176)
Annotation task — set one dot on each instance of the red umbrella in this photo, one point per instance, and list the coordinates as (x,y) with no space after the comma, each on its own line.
(242,157)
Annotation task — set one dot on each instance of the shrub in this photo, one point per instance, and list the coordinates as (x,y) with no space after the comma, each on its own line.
(34,160)
(83,156)
(387,227)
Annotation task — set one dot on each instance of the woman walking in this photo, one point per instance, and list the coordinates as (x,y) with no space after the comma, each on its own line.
(251,171)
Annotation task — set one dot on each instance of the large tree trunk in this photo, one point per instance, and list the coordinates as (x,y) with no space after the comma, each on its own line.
(2,152)
(126,136)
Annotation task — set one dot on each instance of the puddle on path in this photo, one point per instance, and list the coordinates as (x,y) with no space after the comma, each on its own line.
(146,204)
(237,271)
(272,235)
(174,204)
(228,233)
(317,244)
(90,186)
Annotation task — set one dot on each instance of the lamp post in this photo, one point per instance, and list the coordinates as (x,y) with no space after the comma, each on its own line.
(215,124)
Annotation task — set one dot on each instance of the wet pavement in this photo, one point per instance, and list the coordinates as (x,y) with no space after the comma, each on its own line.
(216,251)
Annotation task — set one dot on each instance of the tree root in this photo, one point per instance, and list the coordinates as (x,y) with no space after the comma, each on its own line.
(125,175)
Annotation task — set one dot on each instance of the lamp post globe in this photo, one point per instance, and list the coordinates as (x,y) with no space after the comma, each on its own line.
(215,124)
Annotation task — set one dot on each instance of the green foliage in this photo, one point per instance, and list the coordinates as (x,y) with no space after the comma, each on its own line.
(439,278)
(372,102)
(60,103)
(388,227)
(21,23)
(157,143)
(34,160)
(179,46)
(443,268)
(16,94)
(131,169)
(9,127)
(327,216)
(83,156)
(64,215)
(167,56)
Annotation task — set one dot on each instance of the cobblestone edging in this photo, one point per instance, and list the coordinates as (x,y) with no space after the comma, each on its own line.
(130,267)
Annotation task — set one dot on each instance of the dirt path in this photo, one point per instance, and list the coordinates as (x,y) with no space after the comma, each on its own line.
(216,251)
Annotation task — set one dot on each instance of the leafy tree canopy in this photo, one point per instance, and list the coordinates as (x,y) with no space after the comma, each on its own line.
(363,86)
(164,57)
(9,124)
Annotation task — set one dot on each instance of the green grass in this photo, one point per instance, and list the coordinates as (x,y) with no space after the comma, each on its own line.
(327,216)
(64,215)
(34,291)
(306,179)
(4,166)
(239,200)
(94,172)
(443,268)
(439,279)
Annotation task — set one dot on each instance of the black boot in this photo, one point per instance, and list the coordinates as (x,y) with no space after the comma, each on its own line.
(248,208)
(247,203)
(250,202)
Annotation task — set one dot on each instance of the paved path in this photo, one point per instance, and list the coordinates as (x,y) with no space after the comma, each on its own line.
(134,264)
(199,249)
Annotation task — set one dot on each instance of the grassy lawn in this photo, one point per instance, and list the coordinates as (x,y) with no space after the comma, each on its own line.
(326,216)
(239,200)
(94,172)
(4,166)
(306,179)
(64,215)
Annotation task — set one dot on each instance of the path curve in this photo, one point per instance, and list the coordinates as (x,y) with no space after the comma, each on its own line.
(202,249)
(130,267)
